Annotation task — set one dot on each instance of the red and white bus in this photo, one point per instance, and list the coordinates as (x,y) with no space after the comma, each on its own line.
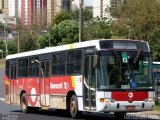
(86,76)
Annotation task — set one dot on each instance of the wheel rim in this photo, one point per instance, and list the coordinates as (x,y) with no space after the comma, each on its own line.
(23,103)
(72,105)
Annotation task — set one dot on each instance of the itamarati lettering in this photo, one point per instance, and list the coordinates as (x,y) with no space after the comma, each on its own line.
(56,86)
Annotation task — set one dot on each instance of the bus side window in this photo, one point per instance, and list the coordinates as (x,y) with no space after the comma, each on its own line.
(33,67)
(22,67)
(7,68)
(58,63)
(74,59)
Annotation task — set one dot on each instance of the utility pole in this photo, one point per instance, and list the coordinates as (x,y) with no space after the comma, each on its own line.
(5,40)
(80,20)
(18,40)
(49,38)
(129,32)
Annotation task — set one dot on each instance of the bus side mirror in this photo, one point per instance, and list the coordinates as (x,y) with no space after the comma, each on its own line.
(96,62)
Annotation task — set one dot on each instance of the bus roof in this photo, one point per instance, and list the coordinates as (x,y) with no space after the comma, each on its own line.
(64,47)
(55,49)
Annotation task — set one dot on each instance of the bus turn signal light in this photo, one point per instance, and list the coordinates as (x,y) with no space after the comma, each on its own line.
(102,100)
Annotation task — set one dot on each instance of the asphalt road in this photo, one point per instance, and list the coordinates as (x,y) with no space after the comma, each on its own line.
(10,112)
(13,112)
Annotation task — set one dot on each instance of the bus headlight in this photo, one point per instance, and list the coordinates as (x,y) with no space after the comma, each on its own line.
(149,100)
(110,100)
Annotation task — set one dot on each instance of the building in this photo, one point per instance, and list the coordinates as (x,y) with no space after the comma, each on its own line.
(4,7)
(13,8)
(76,3)
(34,12)
(89,8)
(100,7)
(55,6)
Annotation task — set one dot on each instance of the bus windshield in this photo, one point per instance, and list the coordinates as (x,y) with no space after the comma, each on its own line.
(124,70)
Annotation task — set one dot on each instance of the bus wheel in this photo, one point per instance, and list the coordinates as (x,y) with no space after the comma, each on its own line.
(74,107)
(24,103)
(120,115)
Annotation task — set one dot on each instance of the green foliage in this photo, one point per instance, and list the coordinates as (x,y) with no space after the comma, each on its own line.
(67,31)
(157,107)
(97,30)
(2,65)
(12,47)
(155,44)
(28,42)
(43,41)
(54,35)
(115,9)
(63,15)
(143,19)
(141,15)
(64,33)
(2,45)
(64,27)
(86,15)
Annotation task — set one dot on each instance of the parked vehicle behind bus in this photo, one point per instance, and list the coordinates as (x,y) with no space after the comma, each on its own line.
(86,76)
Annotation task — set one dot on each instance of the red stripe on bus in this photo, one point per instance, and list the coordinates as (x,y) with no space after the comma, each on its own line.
(129,96)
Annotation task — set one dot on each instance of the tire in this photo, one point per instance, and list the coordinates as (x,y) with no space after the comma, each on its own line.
(120,115)
(24,103)
(75,113)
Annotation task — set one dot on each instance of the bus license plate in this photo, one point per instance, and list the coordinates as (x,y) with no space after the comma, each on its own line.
(130,107)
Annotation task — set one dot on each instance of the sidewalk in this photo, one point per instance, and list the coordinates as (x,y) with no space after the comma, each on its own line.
(150,112)
(154,112)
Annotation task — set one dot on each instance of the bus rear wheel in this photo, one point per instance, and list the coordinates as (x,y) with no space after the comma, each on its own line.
(74,107)
(24,103)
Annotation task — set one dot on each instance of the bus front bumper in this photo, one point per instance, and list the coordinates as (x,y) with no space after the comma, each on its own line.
(135,106)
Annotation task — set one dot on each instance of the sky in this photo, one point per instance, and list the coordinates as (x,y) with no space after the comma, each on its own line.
(88,2)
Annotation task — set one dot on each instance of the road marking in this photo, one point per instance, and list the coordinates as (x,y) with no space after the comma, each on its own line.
(1,99)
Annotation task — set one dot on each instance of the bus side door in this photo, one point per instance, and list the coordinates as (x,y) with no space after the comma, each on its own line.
(89,83)
(45,83)
(13,83)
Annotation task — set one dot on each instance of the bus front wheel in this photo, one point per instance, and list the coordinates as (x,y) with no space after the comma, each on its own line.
(74,107)
(24,103)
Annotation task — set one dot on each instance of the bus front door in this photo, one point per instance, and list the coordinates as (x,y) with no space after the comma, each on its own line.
(89,83)
(44,83)
(13,83)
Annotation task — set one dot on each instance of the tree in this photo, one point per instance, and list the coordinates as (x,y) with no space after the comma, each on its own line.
(54,35)
(98,29)
(12,47)
(63,15)
(155,44)
(68,30)
(142,18)
(28,42)
(2,47)
(43,41)
(57,36)
(86,15)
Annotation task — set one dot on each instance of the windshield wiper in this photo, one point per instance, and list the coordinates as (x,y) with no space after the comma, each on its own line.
(137,56)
